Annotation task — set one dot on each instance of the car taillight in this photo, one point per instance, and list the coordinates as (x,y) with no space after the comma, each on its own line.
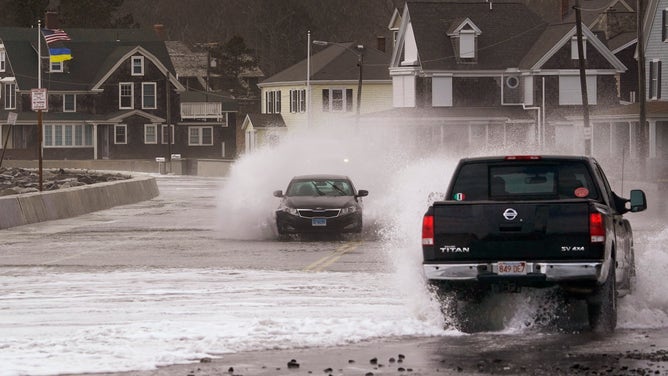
(522,157)
(596,228)
(428,230)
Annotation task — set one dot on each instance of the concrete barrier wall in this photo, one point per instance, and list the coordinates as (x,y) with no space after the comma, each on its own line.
(23,209)
(198,167)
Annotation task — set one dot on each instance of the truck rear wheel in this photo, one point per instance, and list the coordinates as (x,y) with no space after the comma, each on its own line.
(602,305)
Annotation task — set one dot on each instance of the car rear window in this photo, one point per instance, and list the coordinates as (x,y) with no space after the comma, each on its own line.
(523,181)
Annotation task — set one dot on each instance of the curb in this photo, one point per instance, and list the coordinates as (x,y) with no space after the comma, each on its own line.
(23,209)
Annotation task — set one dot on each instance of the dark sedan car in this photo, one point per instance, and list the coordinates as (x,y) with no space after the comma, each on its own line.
(319,204)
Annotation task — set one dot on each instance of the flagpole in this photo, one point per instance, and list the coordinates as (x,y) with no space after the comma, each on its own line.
(39,112)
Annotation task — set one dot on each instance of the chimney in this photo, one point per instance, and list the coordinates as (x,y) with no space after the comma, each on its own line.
(160,31)
(380,42)
(564,8)
(51,20)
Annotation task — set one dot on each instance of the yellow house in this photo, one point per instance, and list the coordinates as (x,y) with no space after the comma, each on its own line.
(346,80)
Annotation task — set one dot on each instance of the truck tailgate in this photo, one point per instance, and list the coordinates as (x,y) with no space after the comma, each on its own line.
(488,231)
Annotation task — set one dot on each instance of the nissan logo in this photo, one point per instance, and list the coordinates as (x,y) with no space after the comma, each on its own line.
(510,214)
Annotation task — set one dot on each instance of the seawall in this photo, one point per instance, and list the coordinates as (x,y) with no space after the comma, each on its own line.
(23,209)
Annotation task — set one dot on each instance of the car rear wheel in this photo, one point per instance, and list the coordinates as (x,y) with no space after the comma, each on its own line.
(602,305)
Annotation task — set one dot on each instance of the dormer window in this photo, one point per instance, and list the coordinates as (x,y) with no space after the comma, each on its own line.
(137,65)
(467,44)
(464,37)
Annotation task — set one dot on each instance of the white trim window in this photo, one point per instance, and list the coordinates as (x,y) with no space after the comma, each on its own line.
(570,92)
(150,133)
(69,103)
(137,65)
(337,100)
(200,136)
(56,67)
(574,48)
(272,102)
(126,95)
(467,44)
(80,135)
(655,79)
(3,60)
(664,25)
(120,134)
(165,135)
(297,101)
(10,96)
(148,95)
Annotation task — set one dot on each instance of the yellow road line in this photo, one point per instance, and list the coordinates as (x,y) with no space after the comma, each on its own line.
(328,260)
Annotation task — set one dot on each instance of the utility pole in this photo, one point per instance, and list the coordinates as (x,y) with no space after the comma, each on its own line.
(169,121)
(641,132)
(583,80)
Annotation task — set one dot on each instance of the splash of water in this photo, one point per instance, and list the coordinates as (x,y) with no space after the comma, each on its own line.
(401,178)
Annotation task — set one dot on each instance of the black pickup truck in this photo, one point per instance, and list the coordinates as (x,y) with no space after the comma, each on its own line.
(513,222)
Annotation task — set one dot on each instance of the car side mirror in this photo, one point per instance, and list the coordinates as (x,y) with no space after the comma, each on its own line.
(362,193)
(638,200)
(278,193)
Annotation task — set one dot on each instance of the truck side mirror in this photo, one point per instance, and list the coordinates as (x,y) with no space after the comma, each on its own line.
(278,193)
(638,200)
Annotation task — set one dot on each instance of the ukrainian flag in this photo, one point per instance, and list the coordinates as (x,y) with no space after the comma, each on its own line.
(59,55)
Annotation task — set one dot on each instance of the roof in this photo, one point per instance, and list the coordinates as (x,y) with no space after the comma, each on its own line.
(337,62)
(320,177)
(502,43)
(266,120)
(186,62)
(95,52)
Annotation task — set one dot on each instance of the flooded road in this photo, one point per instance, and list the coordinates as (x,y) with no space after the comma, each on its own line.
(160,288)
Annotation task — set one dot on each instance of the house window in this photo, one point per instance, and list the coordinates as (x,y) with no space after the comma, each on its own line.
(337,100)
(272,102)
(2,61)
(664,26)
(570,92)
(150,134)
(574,47)
(137,65)
(56,66)
(166,136)
(126,95)
(120,134)
(199,136)
(148,92)
(298,101)
(467,44)
(69,103)
(10,96)
(655,79)
(441,91)
(68,135)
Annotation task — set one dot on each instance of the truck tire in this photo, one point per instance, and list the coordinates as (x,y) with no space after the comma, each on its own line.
(602,305)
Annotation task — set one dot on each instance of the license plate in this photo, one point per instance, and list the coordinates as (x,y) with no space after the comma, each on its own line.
(512,268)
(319,222)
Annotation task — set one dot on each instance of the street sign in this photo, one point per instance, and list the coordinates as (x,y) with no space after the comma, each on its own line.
(40,99)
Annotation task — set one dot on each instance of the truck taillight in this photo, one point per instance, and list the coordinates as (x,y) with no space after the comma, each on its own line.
(596,228)
(428,230)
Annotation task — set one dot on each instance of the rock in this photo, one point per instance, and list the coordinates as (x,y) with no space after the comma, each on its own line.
(293,364)
(18,180)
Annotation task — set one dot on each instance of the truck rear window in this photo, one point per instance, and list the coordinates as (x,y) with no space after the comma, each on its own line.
(525,181)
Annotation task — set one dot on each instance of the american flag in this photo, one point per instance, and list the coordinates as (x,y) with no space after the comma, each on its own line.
(54,35)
